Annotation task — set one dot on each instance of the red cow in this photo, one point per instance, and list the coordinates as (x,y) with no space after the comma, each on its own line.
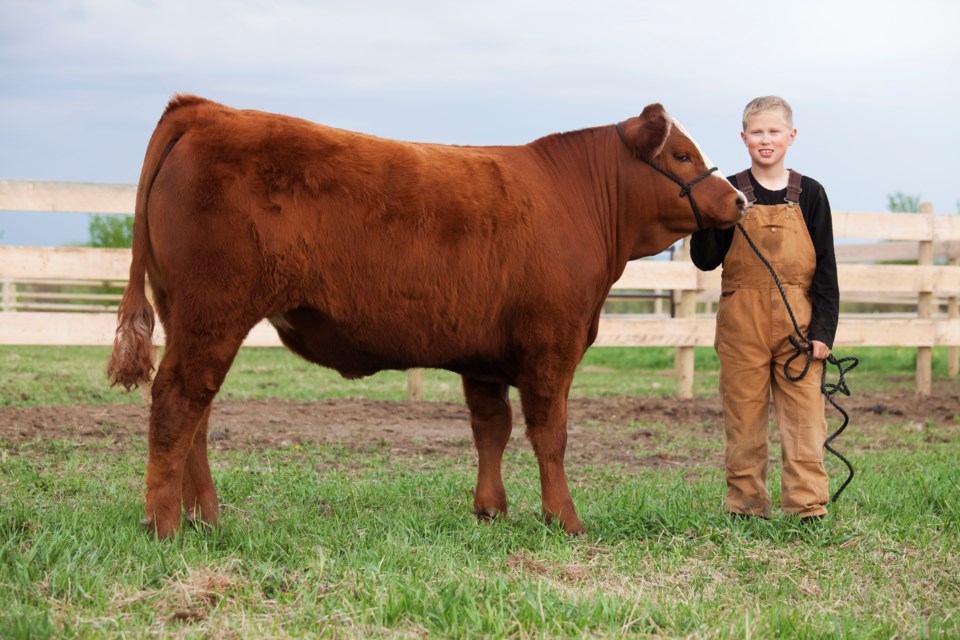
(369,254)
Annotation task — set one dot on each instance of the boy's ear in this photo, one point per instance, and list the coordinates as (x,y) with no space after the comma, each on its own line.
(647,133)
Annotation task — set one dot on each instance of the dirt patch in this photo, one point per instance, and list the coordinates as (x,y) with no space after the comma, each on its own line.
(601,431)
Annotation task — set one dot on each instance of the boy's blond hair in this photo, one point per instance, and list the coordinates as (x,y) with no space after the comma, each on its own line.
(768,103)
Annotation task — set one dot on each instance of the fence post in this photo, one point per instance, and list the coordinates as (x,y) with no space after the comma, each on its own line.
(8,296)
(925,311)
(415,385)
(686,307)
(953,312)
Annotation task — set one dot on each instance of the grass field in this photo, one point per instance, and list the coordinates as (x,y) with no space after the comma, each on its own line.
(354,542)
(54,376)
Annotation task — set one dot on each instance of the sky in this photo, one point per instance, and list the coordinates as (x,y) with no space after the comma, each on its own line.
(874,84)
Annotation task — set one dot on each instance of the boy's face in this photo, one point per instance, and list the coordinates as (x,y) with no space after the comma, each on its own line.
(768,136)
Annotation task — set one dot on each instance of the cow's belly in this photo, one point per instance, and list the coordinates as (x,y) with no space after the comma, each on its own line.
(356,351)
(314,336)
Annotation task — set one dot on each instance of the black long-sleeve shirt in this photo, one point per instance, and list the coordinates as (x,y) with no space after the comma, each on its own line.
(709,247)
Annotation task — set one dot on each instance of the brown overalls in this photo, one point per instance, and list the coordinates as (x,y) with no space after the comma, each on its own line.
(752,343)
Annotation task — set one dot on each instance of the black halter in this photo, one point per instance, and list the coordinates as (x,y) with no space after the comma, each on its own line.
(686,188)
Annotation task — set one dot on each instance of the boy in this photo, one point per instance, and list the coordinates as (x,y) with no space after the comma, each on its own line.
(790,223)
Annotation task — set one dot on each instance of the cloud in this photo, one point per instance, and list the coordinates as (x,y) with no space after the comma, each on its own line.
(84,82)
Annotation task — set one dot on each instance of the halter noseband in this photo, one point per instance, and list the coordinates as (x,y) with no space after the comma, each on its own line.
(686,188)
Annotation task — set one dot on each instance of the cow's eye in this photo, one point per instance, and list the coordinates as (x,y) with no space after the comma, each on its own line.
(682,157)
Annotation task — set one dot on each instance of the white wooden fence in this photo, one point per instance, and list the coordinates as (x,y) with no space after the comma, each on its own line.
(932,285)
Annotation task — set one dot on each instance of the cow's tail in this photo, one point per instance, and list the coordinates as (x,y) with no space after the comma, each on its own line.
(131,363)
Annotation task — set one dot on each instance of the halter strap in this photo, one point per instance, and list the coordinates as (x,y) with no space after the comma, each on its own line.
(686,188)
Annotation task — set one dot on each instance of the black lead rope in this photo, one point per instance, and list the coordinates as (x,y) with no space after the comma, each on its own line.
(844,365)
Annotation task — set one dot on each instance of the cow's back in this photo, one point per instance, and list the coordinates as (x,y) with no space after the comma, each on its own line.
(405,254)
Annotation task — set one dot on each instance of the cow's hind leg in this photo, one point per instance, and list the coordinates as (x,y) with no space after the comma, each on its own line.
(199,495)
(189,376)
(492,421)
(545,411)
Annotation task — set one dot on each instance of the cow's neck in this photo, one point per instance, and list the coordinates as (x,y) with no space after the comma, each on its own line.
(583,182)
(643,229)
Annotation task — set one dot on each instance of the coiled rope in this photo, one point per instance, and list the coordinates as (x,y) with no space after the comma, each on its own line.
(802,344)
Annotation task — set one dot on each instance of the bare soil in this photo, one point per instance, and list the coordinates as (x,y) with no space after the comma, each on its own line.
(601,431)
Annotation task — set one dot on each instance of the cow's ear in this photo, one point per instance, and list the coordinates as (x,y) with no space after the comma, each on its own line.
(648,133)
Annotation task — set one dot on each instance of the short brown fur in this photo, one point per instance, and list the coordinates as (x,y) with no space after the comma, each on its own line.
(370,254)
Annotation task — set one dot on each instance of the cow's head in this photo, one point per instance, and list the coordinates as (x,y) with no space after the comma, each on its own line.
(690,192)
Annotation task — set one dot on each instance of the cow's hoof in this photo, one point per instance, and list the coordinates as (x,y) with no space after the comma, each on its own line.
(162,532)
(572,527)
(488,513)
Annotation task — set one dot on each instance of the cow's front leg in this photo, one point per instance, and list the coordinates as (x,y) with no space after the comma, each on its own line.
(492,421)
(199,494)
(546,416)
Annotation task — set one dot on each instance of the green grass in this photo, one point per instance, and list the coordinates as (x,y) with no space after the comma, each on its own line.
(318,541)
(333,541)
(54,376)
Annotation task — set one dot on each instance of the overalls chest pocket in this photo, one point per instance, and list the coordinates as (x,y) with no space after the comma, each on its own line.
(779,239)
(773,237)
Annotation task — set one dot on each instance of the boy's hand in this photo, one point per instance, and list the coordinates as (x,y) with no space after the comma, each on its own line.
(820,350)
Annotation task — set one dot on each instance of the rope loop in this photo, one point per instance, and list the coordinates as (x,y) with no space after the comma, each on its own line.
(800,350)
(829,390)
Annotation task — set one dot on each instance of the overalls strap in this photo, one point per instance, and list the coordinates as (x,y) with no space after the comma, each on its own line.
(793,187)
(745,186)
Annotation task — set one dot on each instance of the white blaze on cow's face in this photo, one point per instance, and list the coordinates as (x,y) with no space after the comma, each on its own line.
(716,174)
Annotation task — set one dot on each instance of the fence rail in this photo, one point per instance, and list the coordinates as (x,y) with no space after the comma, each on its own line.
(932,285)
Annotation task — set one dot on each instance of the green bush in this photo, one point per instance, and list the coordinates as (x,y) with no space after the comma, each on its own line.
(111,231)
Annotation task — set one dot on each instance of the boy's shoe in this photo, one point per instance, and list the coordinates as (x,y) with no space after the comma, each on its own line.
(812,521)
